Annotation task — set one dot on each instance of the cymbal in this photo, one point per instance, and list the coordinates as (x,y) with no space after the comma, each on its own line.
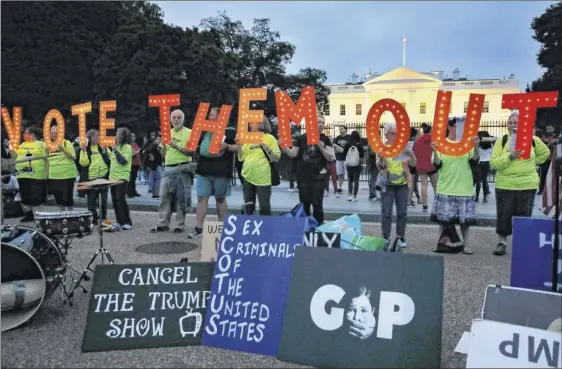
(30,158)
(98,182)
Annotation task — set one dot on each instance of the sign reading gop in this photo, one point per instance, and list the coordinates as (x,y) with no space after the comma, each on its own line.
(351,308)
(251,282)
(531,260)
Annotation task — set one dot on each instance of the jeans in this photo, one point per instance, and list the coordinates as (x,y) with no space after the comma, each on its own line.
(509,204)
(175,186)
(311,193)
(482,179)
(373,173)
(263,194)
(353,174)
(120,206)
(93,203)
(154,180)
(394,195)
(132,189)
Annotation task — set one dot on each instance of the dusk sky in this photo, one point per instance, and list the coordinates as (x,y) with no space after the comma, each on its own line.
(483,39)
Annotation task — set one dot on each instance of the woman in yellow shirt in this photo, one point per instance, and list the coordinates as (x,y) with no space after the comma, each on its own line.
(256,169)
(121,157)
(32,179)
(62,172)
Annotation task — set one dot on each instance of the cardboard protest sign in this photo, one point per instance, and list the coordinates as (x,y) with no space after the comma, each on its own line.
(356,309)
(251,283)
(320,239)
(502,345)
(531,259)
(147,305)
(530,308)
(210,242)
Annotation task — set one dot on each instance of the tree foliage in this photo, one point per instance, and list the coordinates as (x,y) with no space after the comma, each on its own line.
(548,31)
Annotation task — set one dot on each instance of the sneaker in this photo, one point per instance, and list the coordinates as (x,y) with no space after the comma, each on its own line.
(127,227)
(500,249)
(340,190)
(386,244)
(115,227)
(401,243)
(195,234)
(424,208)
(484,200)
(350,198)
(354,199)
(291,190)
(326,193)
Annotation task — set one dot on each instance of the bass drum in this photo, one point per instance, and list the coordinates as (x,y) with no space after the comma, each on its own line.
(32,267)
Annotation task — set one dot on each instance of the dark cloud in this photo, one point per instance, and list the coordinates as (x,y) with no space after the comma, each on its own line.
(482,39)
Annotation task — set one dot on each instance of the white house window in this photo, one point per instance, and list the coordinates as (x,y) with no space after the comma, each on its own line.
(465,107)
(486,107)
(358,109)
(423,108)
(342,109)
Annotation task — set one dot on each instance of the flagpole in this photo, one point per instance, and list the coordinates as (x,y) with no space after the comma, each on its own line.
(556,249)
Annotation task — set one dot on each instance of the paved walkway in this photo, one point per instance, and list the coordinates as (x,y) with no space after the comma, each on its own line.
(282,201)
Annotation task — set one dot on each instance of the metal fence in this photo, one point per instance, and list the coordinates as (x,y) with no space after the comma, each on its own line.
(494,128)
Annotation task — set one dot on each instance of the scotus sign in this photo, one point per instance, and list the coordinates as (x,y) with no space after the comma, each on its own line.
(354,310)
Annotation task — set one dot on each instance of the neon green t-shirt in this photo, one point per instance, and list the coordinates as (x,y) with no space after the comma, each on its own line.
(121,172)
(455,175)
(96,167)
(396,174)
(36,148)
(174,156)
(60,165)
(256,168)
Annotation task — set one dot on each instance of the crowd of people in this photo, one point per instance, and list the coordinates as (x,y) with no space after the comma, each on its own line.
(171,170)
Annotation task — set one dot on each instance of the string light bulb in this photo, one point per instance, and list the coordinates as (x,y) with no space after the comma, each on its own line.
(107,123)
(164,102)
(81,110)
(528,102)
(305,109)
(247,116)
(402,127)
(217,127)
(47,123)
(13,126)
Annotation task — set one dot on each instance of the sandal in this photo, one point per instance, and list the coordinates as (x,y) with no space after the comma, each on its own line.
(159,229)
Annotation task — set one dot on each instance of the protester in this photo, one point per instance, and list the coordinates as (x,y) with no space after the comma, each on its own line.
(394,175)
(132,186)
(414,178)
(95,160)
(425,168)
(516,181)
(483,168)
(353,153)
(62,172)
(339,145)
(121,157)
(256,169)
(32,179)
(214,175)
(454,199)
(153,162)
(176,178)
(549,139)
(312,163)
(373,173)
(293,165)
(332,175)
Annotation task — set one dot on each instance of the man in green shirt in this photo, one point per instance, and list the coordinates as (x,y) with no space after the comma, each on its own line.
(177,177)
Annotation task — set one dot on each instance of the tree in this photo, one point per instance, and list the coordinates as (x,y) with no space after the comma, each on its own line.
(548,31)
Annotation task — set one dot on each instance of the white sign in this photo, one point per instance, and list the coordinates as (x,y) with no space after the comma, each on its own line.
(500,345)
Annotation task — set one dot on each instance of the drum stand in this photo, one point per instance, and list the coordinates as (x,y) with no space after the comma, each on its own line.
(101,250)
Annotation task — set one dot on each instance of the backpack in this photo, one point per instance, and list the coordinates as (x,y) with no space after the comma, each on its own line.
(504,141)
(352,158)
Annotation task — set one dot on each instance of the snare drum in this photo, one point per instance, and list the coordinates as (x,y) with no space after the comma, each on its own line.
(65,223)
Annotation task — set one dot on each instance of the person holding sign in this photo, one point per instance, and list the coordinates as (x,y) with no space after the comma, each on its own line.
(32,179)
(95,160)
(121,157)
(177,177)
(62,172)
(256,169)
(454,199)
(395,173)
(516,180)
(353,153)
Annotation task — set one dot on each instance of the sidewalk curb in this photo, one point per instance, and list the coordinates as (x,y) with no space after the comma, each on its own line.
(482,221)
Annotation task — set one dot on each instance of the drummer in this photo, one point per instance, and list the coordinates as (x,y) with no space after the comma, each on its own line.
(95,160)
(62,172)
(33,183)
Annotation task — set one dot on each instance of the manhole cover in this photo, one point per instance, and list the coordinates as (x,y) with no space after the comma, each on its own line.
(164,248)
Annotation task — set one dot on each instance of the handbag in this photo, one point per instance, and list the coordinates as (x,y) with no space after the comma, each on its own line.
(275,179)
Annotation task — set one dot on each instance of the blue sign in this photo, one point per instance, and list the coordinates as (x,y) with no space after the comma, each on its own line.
(251,283)
(531,260)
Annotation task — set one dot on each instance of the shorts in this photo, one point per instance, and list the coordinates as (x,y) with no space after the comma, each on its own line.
(219,187)
(33,191)
(63,190)
(341,167)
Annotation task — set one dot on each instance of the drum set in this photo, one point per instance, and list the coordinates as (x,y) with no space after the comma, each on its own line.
(35,261)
